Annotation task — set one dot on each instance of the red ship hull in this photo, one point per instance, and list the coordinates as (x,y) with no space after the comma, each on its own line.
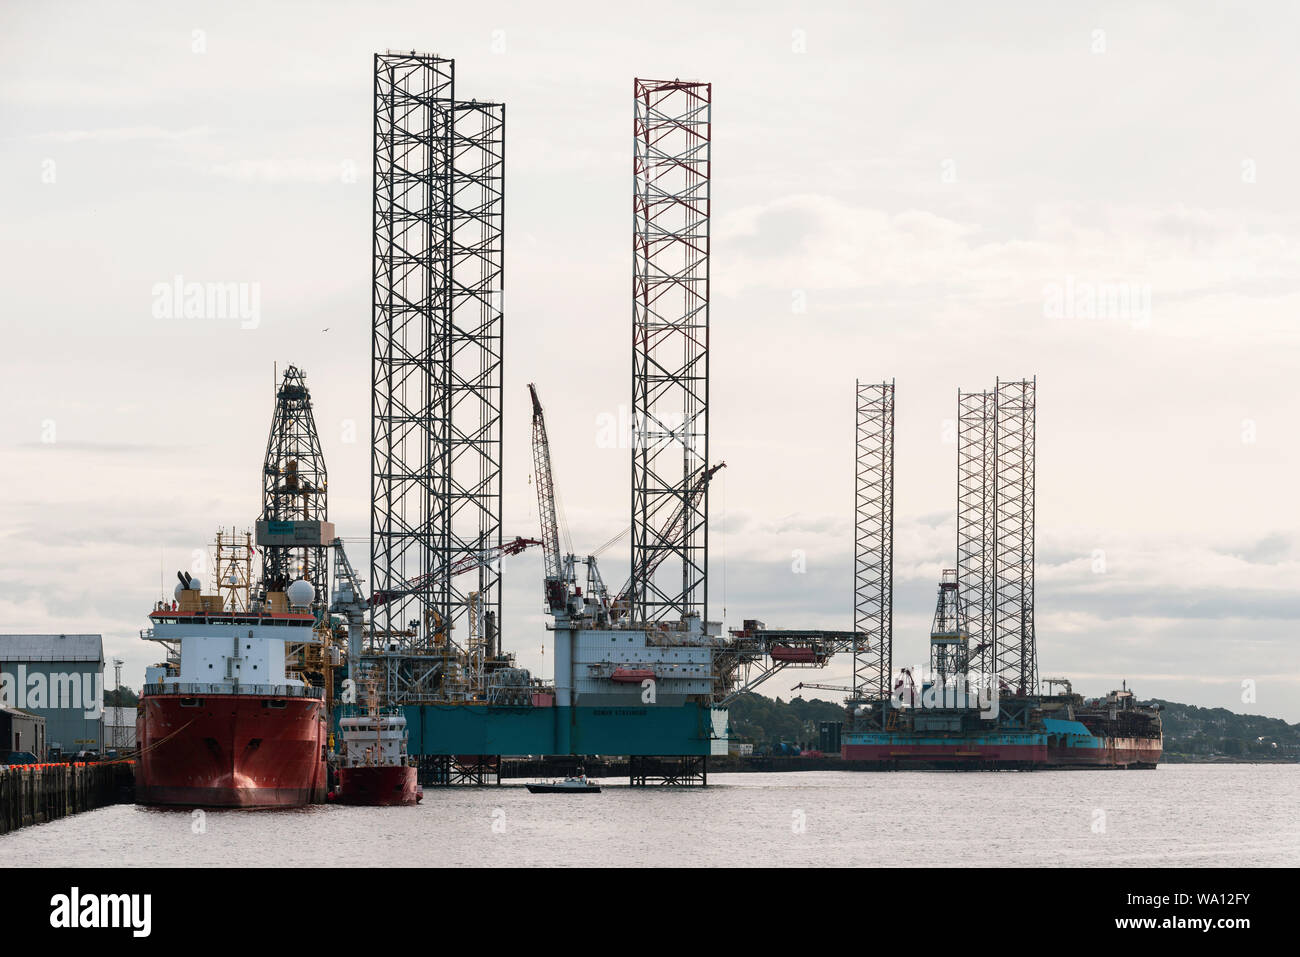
(1117,753)
(230,750)
(1114,753)
(960,753)
(377,786)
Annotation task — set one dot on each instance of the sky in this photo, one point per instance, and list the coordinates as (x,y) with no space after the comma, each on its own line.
(930,192)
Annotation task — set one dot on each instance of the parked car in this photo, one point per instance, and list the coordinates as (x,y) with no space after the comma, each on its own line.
(19,757)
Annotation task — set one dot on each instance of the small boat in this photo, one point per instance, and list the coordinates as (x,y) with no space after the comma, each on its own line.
(579,784)
(375,769)
(631,675)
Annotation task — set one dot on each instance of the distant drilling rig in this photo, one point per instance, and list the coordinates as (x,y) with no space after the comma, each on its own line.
(983,631)
(979,704)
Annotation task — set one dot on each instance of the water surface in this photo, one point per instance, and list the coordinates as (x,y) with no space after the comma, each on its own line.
(1180,815)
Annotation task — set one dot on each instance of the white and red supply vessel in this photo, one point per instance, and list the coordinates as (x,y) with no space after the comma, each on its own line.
(228,727)
(374,767)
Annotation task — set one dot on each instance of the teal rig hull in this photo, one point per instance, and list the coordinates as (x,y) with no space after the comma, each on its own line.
(479,729)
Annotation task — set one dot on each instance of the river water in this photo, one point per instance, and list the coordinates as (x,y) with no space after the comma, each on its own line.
(1180,815)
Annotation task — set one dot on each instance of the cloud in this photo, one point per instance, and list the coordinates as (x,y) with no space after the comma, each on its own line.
(288,170)
(123,134)
(112,448)
(820,242)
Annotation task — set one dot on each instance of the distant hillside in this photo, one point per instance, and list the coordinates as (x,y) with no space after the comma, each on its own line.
(1191,733)
(767,723)
(1200,733)
(125,699)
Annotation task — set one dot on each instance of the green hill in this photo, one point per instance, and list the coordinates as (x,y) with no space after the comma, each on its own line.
(766,722)
(1203,733)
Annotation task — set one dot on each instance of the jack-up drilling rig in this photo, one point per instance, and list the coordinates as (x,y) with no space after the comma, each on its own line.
(667,675)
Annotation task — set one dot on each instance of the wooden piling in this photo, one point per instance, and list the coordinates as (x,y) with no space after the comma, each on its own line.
(37,793)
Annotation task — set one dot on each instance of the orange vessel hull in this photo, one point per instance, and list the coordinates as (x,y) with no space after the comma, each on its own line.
(230,750)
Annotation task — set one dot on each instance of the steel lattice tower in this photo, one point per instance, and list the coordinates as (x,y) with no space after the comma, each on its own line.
(1016,659)
(976,442)
(873,542)
(436,344)
(294,485)
(670,347)
(476,367)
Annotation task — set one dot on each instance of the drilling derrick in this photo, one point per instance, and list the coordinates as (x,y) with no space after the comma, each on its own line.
(293,488)
(873,562)
(670,350)
(949,644)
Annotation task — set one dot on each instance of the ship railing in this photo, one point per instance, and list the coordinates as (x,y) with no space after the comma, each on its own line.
(271,691)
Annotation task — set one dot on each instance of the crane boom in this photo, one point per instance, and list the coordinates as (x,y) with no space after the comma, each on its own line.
(466,563)
(672,532)
(546,503)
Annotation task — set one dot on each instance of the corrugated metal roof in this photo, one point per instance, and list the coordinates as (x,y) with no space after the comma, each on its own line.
(20,711)
(52,648)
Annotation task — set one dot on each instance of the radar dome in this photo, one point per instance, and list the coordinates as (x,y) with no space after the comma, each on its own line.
(195,584)
(177,591)
(300,593)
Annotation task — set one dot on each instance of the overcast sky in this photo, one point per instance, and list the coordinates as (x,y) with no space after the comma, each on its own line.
(925,192)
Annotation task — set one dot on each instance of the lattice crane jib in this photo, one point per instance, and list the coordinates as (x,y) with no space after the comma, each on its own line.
(544,477)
